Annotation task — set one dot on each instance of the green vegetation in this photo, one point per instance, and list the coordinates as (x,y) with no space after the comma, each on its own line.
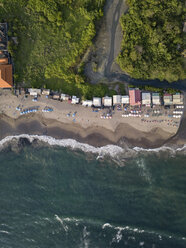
(52,36)
(154,89)
(153,40)
(121,89)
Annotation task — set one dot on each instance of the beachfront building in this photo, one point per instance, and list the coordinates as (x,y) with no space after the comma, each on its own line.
(125,99)
(178,99)
(34,92)
(65,97)
(146,98)
(46,92)
(116,99)
(87,103)
(156,99)
(97,102)
(107,101)
(75,100)
(135,97)
(56,96)
(167,98)
(6,74)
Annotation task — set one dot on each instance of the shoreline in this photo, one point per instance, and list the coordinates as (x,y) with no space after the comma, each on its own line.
(95,136)
(86,126)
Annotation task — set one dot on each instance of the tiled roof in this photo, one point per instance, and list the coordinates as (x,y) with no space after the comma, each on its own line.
(6,79)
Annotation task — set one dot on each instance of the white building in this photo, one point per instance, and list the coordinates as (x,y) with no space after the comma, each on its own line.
(46,92)
(125,99)
(178,98)
(56,96)
(156,99)
(34,92)
(97,101)
(146,98)
(75,100)
(107,101)
(65,97)
(87,103)
(116,99)
(167,98)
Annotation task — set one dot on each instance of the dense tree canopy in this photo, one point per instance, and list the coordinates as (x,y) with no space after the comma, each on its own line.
(51,37)
(153,39)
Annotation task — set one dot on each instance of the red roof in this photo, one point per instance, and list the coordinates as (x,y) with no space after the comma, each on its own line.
(167,94)
(135,97)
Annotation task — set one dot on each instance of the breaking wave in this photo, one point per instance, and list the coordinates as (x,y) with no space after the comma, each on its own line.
(131,232)
(109,150)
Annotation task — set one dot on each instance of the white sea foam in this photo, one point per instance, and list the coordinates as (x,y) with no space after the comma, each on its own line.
(159,149)
(144,169)
(62,222)
(85,240)
(72,220)
(111,150)
(118,236)
(2,231)
(106,225)
(108,150)
(85,232)
(141,243)
(131,230)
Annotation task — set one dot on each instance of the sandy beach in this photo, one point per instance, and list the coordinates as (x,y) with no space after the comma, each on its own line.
(81,123)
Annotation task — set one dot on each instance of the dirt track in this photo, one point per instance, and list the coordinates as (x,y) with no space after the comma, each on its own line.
(106,49)
(107,46)
(107,43)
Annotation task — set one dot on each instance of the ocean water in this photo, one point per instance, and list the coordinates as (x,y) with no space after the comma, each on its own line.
(56,196)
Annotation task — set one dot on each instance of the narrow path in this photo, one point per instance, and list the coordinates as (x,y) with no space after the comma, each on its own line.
(107,47)
(116,17)
(107,43)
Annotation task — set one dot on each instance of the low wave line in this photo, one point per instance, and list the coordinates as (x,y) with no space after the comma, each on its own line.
(108,150)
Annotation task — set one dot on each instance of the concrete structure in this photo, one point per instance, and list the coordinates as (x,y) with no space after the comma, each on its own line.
(75,100)
(116,99)
(34,92)
(167,98)
(46,92)
(178,99)
(134,97)
(87,103)
(125,99)
(146,98)
(97,101)
(65,97)
(156,99)
(107,101)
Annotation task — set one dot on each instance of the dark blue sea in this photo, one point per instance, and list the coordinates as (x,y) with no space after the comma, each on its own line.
(58,197)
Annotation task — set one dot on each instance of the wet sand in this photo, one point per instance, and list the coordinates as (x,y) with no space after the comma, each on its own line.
(96,136)
(86,126)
